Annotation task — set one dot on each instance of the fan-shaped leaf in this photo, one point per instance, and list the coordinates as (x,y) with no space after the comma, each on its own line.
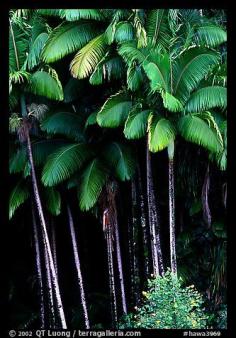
(43,84)
(65,123)
(77,14)
(130,52)
(107,69)
(64,162)
(91,120)
(88,57)
(92,181)
(207,98)
(121,159)
(52,199)
(210,35)
(136,124)
(18,46)
(134,77)
(114,111)
(124,32)
(195,129)
(171,103)
(157,27)
(36,49)
(18,196)
(161,133)
(67,38)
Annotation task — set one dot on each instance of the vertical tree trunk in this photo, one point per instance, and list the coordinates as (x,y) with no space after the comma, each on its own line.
(153,220)
(131,265)
(205,202)
(172,209)
(119,263)
(109,241)
(54,246)
(45,235)
(39,270)
(77,264)
(144,226)
(135,233)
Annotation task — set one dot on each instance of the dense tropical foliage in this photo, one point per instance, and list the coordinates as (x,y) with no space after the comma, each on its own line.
(118,157)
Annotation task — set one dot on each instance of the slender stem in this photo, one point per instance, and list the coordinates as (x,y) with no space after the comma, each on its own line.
(39,269)
(205,201)
(54,246)
(14,45)
(78,268)
(45,234)
(172,217)
(119,263)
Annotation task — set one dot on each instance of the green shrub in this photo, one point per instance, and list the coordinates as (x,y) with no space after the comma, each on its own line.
(168,305)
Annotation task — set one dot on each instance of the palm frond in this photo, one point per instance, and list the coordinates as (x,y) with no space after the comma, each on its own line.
(51,12)
(77,14)
(158,31)
(88,57)
(124,32)
(52,199)
(18,46)
(64,123)
(196,129)
(210,35)
(121,159)
(134,77)
(64,162)
(190,68)
(36,48)
(43,84)
(92,181)
(207,98)
(91,120)
(130,52)
(136,124)
(161,133)
(171,103)
(114,111)
(67,38)
(18,196)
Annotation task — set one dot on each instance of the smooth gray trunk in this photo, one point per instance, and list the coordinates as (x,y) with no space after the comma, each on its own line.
(153,220)
(144,226)
(119,263)
(39,270)
(54,245)
(78,268)
(205,201)
(59,308)
(173,259)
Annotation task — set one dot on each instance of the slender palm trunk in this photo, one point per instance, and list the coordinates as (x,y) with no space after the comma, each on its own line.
(135,233)
(77,264)
(39,270)
(173,259)
(60,309)
(54,246)
(144,226)
(108,231)
(157,260)
(131,265)
(119,263)
(205,202)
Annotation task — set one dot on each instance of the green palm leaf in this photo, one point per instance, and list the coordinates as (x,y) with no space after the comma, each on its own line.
(43,84)
(130,52)
(18,196)
(124,32)
(161,133)
(114,111)
(64,123)
(196,129)
(121,159)
(36,48)
(171,103)
(210,35)
(51,12)
(158,31)
(64,162)
(52,200)
(18,46)
(92,181)
(207,98)
(77,14)
(67,38)
(88,57)
(136,124)
(91,120)
(190,68)
(134,77)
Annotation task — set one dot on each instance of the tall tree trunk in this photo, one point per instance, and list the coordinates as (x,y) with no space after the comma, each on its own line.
(157,260)
(77,264)
(173,259)
(205,202)
(131,265)
(60,309)
(119,263)
(135,235)
(144,226)
(39,270)
(108,231)
(54,246)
